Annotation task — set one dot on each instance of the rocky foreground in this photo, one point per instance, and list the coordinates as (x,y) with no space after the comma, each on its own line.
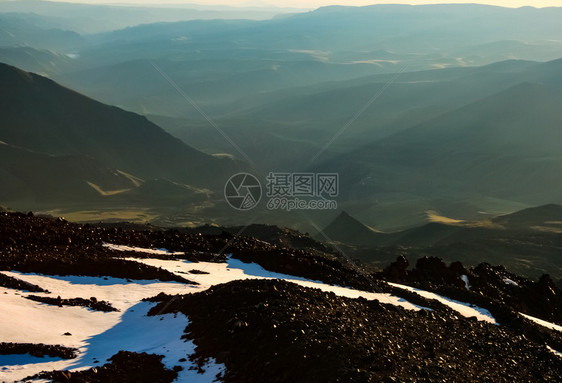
(274,331)
(277,331)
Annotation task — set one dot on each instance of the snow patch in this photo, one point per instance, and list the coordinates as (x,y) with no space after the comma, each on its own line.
(15,359)
(464,278)
(465,309)
(235,269)
(557,353)
(543,323)
(142,249)
(97,335)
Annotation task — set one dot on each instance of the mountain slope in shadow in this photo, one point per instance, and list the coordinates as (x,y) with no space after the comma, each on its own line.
(347,229)
(31,178)
(527,241)
(505,147)
(39,115)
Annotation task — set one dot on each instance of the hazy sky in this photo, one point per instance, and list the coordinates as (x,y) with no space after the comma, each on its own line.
(318,3)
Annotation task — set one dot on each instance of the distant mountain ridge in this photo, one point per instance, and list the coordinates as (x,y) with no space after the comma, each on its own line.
(503,148)
(347,229)
(49,120)
(32,178)
(461,110)
(527,241)
(540,217)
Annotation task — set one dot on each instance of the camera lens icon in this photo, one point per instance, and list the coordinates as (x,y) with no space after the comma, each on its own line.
(242,191)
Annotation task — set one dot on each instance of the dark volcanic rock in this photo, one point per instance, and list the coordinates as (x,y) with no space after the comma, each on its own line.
(91,303)
(55,246)
(195,271)
(302,264)
(397,271)
(39,350)
(434,270)
(542,298)
(489,286)
(14,283)
(275,331)
(274,235)
(125,367)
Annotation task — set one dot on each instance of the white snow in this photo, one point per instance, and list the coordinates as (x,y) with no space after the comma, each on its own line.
(543,323)
(557,353)
(464,278)
(97,335)
(235,269)
(465,309)
(100,335)
(141,249)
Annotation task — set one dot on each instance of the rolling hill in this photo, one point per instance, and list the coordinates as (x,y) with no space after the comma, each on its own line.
(47,126)
(527,241)
(228,65)
(504,147)
(442,133)
(345,228)
(547,217)
(95,18)
(28,29)
(33,179)
(40,115)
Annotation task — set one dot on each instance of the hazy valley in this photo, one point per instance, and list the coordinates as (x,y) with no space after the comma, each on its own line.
(440,123)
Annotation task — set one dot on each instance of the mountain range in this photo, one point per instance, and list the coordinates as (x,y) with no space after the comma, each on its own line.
(527,241)
(453,114)
(257,194)
(61,147)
